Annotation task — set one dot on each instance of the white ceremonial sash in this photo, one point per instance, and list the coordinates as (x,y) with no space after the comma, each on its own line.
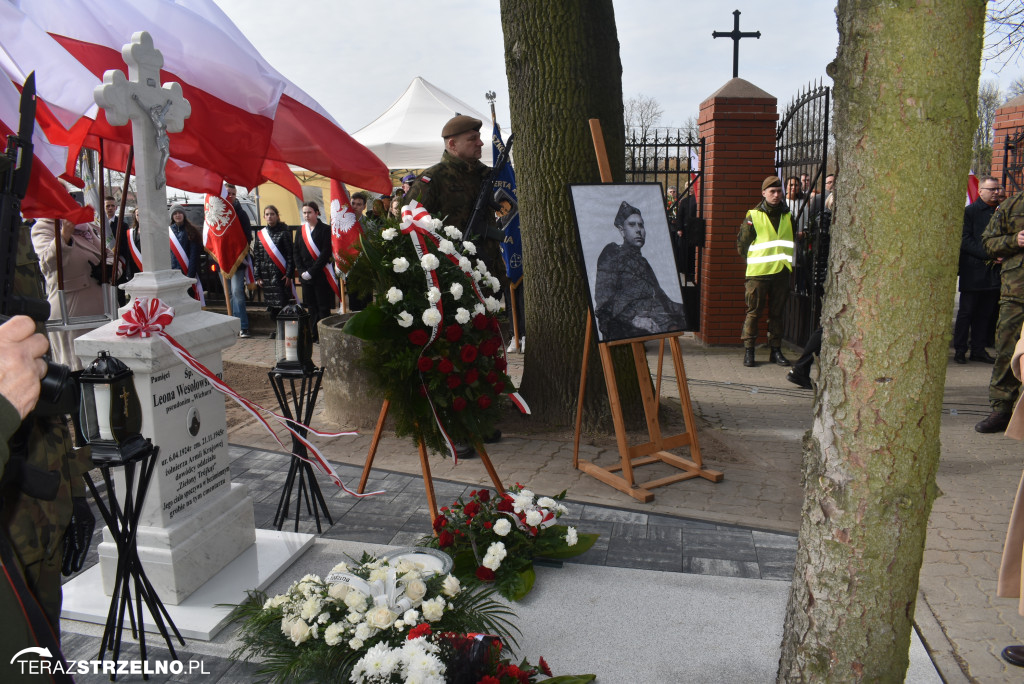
(182,256)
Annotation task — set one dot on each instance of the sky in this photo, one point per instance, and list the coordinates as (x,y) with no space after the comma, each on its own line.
(356,57)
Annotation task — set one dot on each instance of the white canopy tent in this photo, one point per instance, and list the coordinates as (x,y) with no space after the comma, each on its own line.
(408,134)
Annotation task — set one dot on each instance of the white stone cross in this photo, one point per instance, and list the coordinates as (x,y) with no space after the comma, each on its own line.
(154,112)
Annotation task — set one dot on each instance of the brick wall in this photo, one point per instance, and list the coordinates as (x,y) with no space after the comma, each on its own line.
(738,124)
(1008,118)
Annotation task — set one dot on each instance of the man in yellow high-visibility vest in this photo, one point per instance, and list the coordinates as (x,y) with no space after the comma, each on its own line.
(765,239)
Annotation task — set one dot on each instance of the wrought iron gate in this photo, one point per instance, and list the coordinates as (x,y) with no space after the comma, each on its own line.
(801,149)
(672,157)
(1013,162)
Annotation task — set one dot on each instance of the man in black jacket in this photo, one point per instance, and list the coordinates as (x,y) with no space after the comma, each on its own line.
(979,278)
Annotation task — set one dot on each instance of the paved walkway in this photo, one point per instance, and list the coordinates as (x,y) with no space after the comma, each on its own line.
(751,425)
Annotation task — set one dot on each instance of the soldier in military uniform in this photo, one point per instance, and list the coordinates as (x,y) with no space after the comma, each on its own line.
(448,190)
(765,240)
(1004,239)
(42,483)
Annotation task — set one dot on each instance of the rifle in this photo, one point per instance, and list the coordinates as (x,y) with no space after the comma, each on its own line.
(485,198)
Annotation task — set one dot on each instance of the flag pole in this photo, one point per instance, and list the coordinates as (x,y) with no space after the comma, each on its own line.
(511,287)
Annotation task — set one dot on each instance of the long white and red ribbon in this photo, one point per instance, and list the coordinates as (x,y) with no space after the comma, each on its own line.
(332,280)
(277,258)
(150,318)
(183,262)
(136,254)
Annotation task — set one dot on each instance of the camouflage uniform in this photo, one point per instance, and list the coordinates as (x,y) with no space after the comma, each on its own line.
(773,289)
(448,190)
(34,526)
(1000,240)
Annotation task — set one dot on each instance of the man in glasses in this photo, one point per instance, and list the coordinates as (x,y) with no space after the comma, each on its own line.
(979,278)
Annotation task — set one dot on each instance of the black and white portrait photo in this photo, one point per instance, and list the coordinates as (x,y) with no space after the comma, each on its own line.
(627,254)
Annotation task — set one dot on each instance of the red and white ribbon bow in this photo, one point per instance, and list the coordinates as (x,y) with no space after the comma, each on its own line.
(150,317)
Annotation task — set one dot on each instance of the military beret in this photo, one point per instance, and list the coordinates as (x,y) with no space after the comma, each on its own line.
(771,182)
(460,124)
(409,178)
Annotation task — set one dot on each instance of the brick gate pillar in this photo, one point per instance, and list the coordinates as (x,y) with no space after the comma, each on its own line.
(737,123)
(1009,117)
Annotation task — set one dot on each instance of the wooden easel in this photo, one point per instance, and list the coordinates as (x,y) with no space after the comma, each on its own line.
(655,449)
(428,480)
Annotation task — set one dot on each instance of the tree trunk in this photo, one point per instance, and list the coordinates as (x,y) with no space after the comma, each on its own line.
(906,83)
(563,66)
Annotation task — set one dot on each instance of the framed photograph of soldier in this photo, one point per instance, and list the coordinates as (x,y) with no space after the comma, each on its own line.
(629,265)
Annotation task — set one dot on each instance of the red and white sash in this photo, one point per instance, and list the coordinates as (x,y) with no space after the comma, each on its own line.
(332,280)
(133,250)
(275,256)
(181,254)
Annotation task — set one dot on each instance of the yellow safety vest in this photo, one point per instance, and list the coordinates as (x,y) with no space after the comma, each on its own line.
(770,251)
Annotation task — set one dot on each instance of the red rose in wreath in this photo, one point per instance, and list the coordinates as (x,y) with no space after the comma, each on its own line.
(419,337)
(425,364)
(453,333)
(468,354)
(471,376)
(458,404)
(445,366)
(453,381)
(484,402)
(484,574)
(480,322)
(500,364)
(445,539)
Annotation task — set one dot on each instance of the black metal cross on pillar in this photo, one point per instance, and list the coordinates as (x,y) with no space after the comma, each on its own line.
(735,34)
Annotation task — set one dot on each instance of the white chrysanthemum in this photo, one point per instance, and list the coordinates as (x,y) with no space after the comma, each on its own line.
(502,527)
(394,295)
(389,233)
(453,232)
(546,502)
(457,290)
(468,247)
(429,262)
(400,264)
(461,316)
(334,633)
(433,609)
(465,264)
(533,518)
(492,304)
(570,536)
(451,585)
(404,319)
(356,600)
(446,247)
(433,295)
(310,608)
(431,316)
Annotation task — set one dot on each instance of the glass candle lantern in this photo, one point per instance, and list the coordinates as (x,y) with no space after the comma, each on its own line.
(294,340)
(111,415)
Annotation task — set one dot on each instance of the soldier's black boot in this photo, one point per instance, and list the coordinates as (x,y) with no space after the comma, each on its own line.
(748,357)
(995,422)
(777,357)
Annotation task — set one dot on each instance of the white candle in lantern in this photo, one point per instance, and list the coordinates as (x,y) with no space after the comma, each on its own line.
(291,340)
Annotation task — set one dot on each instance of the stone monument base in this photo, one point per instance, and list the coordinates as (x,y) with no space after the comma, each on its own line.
(199,616)
(181,557)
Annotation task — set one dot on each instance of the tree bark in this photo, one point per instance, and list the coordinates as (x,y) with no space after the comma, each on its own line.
(563,66)
(906,83)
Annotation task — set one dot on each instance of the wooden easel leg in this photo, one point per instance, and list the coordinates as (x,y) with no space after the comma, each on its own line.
(428,480)
(583,388)
(615,405)
(374,444)
(490,468)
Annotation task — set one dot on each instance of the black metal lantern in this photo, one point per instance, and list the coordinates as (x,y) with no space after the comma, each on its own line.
(111,415)
(294,340)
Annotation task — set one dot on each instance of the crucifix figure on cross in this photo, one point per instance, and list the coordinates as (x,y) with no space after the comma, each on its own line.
(154,111)
(736,34)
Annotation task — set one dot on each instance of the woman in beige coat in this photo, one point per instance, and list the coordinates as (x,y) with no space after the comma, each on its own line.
(80,259)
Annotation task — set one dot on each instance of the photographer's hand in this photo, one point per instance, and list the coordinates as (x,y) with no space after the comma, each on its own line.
(21,363)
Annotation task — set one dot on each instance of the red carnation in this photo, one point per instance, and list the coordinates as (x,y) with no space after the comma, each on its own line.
(485,494)
(419,337)
(489,679)
(453,333)
(458,404)
(445,366)
(505,505)
(499,387)
(484,574)
(423,630)
(484,402)
(480,322)
(425,364)
(471,376)
(439,523)
(500,364)
(488,347)
(544,667)
(492,377)
(488,525)
(472,508)
(468,354)
(453,381)
(445,539)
